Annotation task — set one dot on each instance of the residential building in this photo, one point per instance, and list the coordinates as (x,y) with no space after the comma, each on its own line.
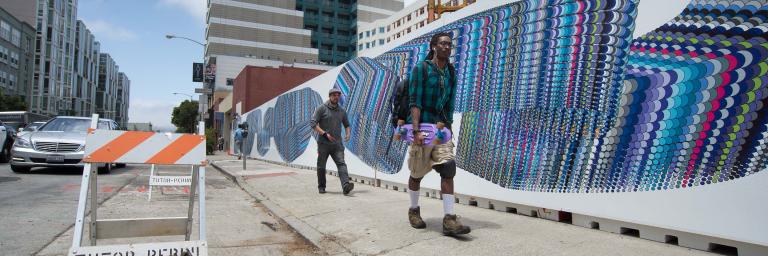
(106,93)
(375,34)
(123,99)
(54,57)
(87,51)
(62,60)
(16,55)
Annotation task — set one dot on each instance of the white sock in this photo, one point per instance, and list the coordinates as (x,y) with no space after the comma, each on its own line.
(448,200)
(414,198)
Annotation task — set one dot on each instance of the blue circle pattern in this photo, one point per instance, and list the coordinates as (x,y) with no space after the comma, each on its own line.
(366,87)
(556,98)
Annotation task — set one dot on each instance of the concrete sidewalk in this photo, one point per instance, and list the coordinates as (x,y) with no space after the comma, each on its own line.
(373,221)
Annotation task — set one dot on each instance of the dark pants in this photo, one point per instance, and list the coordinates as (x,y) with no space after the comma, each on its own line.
(337,153)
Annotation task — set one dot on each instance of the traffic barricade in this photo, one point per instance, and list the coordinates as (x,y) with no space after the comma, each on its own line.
(134,147)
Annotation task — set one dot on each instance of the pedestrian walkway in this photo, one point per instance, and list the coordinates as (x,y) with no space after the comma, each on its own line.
(373,221)
(237,224)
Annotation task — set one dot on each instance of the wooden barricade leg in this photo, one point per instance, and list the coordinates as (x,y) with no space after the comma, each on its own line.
(94,204)
(191,209)
(77,238)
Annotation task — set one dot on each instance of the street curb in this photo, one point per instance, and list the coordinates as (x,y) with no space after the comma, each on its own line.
(317,238)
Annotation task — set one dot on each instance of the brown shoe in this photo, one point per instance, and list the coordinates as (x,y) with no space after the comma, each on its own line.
(414,216)
(452,226)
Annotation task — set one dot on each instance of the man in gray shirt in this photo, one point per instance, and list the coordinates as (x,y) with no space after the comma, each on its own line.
(327,123)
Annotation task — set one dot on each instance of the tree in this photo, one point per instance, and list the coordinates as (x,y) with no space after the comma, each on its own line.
(185,116)
(12,103)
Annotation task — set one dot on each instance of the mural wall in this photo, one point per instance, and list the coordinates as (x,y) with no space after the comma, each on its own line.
(556,96)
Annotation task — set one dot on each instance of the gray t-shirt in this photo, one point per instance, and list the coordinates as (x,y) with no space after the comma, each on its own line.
(330,118)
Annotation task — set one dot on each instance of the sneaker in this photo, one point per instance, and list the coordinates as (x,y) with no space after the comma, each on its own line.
(452,226)
(414,216)
(321,190)
(348,188)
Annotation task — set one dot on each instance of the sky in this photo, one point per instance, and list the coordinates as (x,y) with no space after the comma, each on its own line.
(133,33)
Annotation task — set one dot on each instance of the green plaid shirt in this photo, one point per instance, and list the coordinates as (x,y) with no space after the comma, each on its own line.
(434,96)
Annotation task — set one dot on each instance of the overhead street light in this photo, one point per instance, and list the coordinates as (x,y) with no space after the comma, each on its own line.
(190,95)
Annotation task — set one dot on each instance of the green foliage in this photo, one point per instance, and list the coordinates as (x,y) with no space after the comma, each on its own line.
(184,117)
(210,141)
(12,103)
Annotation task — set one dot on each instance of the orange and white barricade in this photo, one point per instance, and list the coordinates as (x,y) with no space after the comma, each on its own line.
(134,147)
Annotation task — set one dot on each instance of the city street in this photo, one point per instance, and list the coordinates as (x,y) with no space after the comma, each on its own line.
(39,211)
(38,206)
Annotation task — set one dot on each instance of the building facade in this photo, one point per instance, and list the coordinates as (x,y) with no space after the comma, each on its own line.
(373,35)
(106,93)
(123,99)
(54,57)
(87,51)
(58,60)
(16,55)
(312,32)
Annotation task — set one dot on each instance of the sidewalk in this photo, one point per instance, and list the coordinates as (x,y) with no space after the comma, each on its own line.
(236,223)
(373,221)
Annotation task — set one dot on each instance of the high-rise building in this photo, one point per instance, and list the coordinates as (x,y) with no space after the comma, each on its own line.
(87,51)
(63,60)
(54,57)
(106,93)
(16,54)
(306,32)
(123,99)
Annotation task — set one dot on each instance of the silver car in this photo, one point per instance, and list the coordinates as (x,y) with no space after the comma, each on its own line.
(58,143)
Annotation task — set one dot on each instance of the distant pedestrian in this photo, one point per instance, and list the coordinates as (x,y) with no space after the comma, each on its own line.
(327,122)
(220,143)
(239,141)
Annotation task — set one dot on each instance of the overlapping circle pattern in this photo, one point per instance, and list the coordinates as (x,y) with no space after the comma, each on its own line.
(556,98)
(367,86)
(692,109)
(287,123)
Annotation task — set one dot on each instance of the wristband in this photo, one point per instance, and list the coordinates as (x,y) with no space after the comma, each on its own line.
(324,134)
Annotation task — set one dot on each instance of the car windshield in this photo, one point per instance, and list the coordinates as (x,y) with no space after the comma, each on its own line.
(32,126)
(71,125)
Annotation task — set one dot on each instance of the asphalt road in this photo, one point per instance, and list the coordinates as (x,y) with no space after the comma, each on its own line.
(36,207)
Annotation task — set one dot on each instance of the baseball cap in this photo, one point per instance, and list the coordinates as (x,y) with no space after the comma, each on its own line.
(334,90)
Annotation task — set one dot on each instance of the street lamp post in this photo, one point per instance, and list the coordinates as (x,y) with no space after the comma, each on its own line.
(190,95)
(202,114)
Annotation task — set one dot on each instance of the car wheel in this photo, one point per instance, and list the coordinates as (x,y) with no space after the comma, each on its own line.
(106,169)
(18,169)
(5,154)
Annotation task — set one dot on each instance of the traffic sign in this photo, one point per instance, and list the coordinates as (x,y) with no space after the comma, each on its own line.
(204,90)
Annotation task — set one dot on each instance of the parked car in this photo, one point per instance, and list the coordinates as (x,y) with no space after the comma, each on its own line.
(31,127)
(58,143)
(7,137)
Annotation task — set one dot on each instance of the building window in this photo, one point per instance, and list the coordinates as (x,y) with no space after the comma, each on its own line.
(360,36)
(373,31)
(381,29)
(367,45)
(381,41)
(342,32)
(5,30)
(367,33)
(342,48)
(343,16)
(388,27)
(16,38)
(360,47)
(409,17)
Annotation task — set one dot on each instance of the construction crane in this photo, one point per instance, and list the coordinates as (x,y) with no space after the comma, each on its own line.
(436,9)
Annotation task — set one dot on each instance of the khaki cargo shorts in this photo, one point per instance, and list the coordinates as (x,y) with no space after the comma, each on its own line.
(421,158)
